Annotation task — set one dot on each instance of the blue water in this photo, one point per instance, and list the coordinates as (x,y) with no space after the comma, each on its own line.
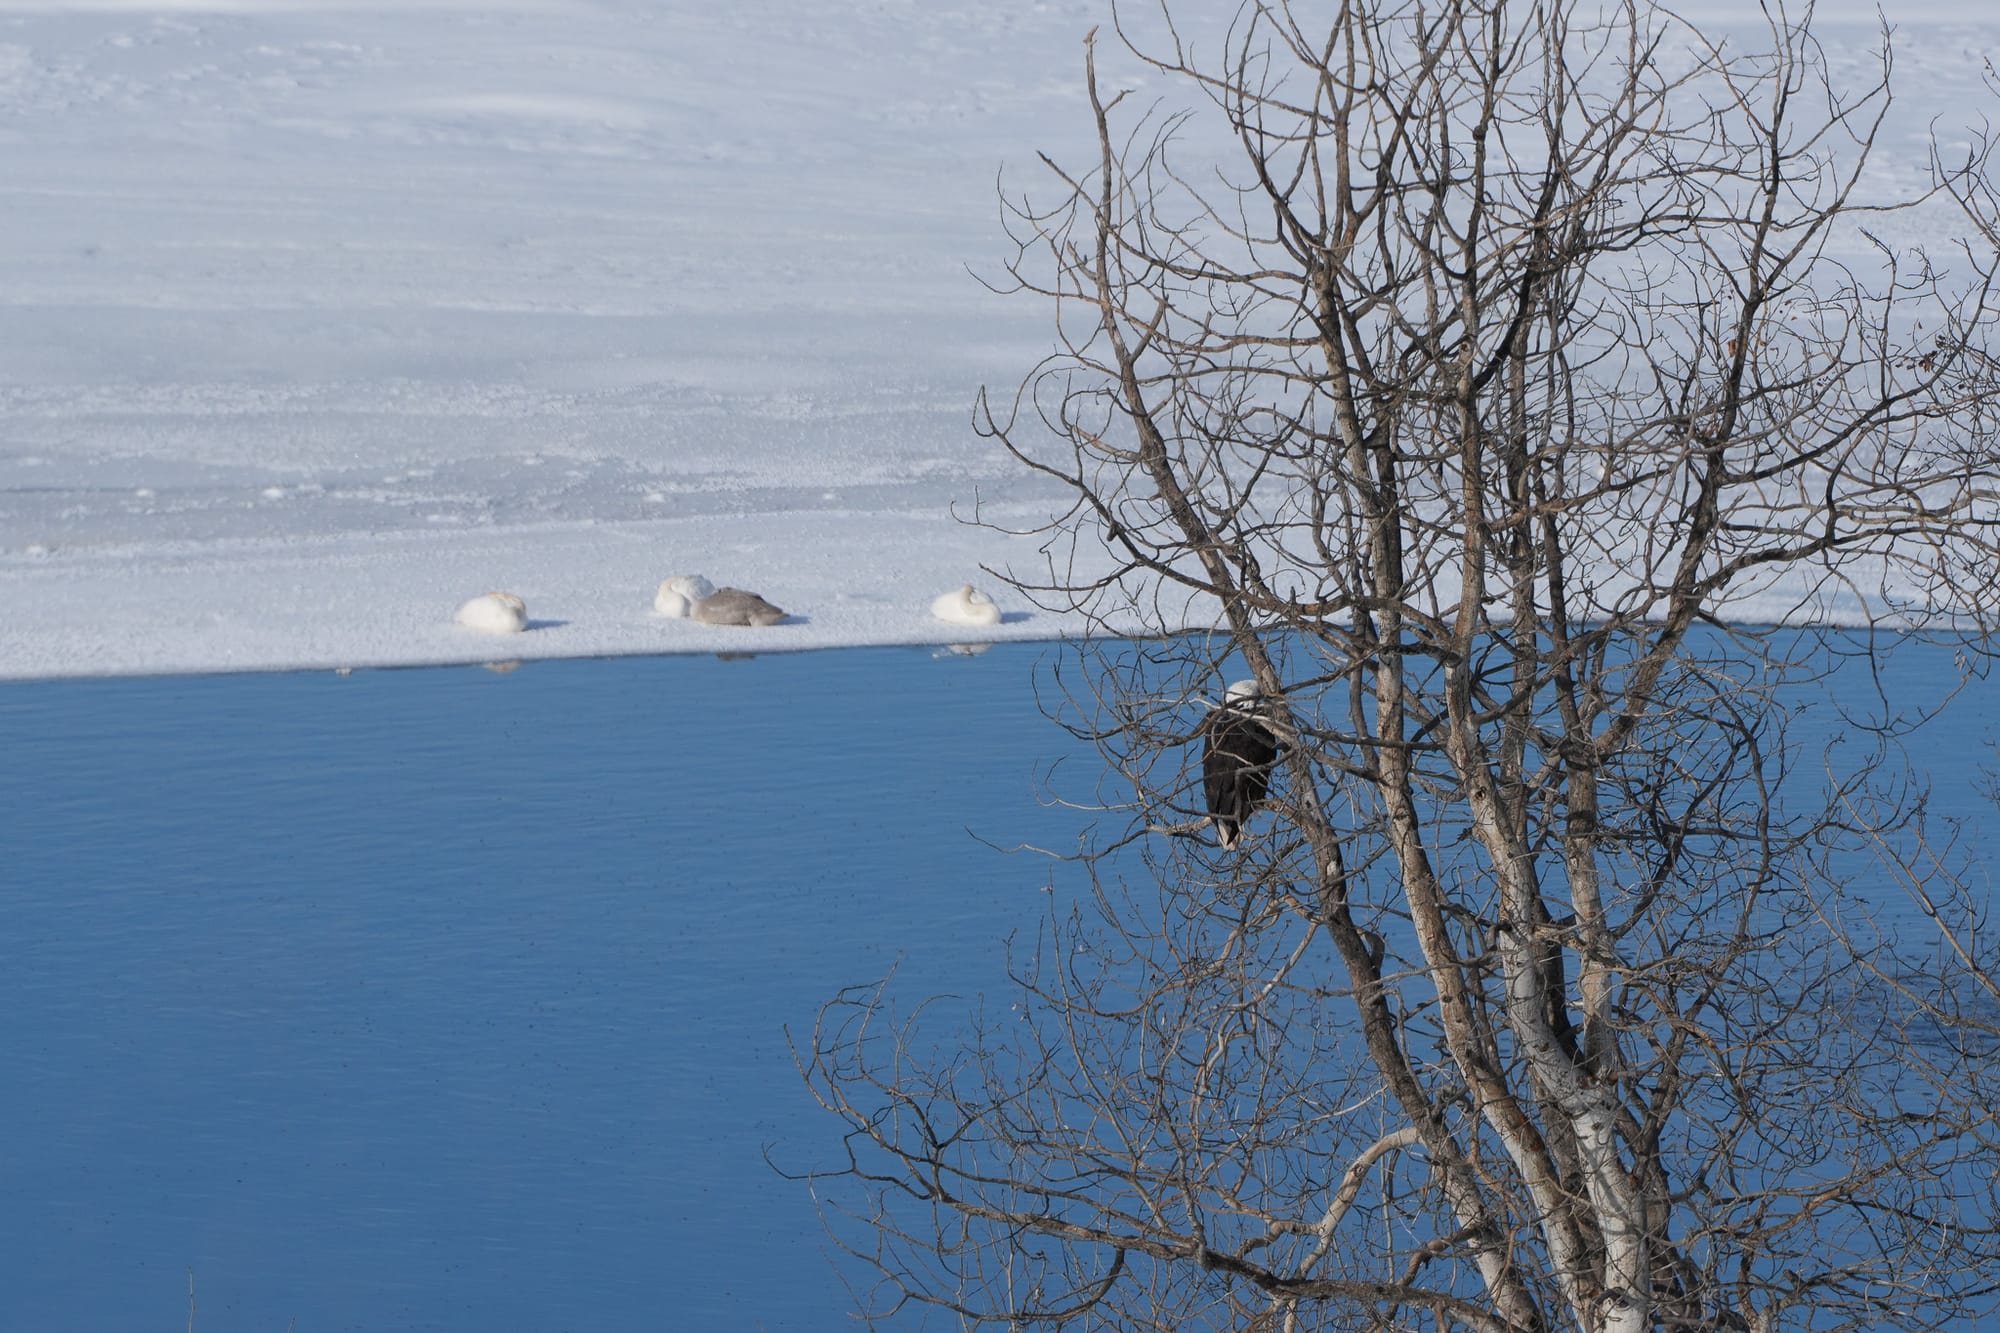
(457,1000)
(454,1000)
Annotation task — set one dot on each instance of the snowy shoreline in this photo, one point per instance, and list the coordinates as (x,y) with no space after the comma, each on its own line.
(341,601)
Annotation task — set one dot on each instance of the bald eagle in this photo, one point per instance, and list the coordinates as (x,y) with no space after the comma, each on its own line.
(1236,769)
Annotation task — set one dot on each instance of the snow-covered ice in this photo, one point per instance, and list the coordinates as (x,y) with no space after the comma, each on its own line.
(317,315)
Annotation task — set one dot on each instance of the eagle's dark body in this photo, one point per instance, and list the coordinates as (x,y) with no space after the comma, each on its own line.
(1236,768)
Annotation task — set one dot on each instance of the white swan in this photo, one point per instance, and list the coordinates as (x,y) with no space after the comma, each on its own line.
(677,595)
(494,613)
(966,606)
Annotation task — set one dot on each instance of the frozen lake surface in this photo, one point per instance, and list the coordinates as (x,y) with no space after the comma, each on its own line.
(445,999)
(318,317)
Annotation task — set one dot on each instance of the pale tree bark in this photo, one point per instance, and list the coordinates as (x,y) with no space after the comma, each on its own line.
(1510,354)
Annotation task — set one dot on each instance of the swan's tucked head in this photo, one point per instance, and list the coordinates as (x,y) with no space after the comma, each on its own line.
(1242,692)
(494,613)
(671,601)
(691,586)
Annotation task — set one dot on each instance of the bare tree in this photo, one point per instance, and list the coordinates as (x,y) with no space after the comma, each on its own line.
(1515,356)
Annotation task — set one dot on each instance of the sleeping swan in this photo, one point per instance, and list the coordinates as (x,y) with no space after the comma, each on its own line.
(690,595)
(967,606)
(733,606)
(494,613)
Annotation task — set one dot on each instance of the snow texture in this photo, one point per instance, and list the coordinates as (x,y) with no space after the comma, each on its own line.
(316,315)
